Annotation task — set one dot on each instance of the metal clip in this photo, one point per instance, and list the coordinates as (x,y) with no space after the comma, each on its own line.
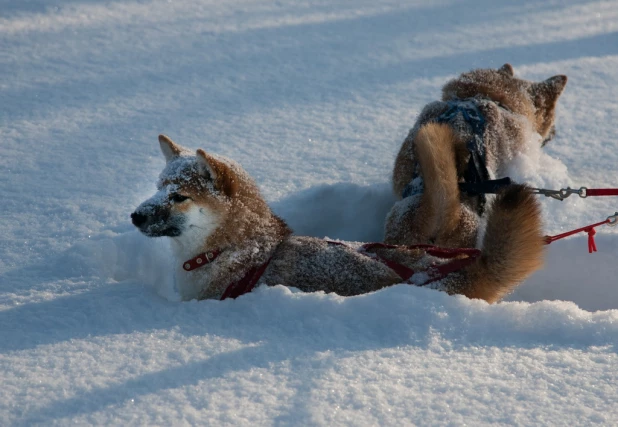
(558,195)
(613,220)
(566,192)
(561,194)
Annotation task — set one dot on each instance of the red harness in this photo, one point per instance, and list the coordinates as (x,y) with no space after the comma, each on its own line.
(433,273)
(234,289)
(246,284)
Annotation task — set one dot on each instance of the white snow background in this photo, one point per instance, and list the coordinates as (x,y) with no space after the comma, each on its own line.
(313,98)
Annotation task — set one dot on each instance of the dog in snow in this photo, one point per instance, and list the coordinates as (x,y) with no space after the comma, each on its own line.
(226,240)
(460,145)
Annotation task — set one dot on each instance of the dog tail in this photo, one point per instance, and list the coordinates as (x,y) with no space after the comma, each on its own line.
(512,246)
(435,147)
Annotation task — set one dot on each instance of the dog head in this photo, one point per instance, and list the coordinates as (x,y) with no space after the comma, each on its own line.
(202,200)
(536,101)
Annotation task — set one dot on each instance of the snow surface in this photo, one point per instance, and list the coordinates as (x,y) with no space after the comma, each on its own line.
(313,98)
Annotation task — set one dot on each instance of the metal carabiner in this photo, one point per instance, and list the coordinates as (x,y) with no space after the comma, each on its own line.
(566,192)
(549,193)
(562,193)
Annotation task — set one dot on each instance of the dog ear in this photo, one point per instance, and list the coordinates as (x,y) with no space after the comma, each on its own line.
(556,84)
(507,69)
(169,148)
(545,96)
(221,174)
(546,93)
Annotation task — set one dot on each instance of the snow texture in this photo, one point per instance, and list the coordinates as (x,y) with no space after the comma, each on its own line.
(313,98)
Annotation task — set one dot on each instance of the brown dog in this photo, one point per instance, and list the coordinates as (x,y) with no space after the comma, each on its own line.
(226,239)
(485,118)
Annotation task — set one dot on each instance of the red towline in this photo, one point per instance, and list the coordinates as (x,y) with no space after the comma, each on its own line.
(590,229)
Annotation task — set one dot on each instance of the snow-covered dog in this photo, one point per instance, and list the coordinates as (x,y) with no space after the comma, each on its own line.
(226,239)
(485,118)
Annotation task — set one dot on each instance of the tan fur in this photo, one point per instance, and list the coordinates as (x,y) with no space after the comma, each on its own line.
(247,233)
(535,101)
(224,178)
(440,217)
(168,147)
(498,86)
(444,216)
(512,247)
(435,146)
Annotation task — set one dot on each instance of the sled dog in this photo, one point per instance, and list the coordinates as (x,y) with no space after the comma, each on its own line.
(485,118)
(224,236)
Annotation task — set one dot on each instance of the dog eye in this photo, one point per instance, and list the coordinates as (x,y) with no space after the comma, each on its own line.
(178,198)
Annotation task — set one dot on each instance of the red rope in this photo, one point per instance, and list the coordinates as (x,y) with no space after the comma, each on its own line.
(592,246)
(602,192)
(590,229)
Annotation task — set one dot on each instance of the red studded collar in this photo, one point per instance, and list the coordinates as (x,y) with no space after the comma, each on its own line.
(201,260)
(234,289)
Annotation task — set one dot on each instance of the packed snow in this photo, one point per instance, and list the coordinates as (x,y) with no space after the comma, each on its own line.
(313,98)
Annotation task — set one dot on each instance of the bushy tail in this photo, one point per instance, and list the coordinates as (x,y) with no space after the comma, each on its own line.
(437,216)
(435,148)
(512,246)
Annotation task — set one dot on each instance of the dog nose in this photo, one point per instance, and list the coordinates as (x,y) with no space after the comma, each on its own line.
(138,219)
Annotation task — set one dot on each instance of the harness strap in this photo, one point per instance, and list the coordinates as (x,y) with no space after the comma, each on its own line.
(247,283)
(435,272)
(491,186)
(440,271)
(402,271)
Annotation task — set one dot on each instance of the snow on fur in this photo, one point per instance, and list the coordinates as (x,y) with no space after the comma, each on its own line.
(314,106)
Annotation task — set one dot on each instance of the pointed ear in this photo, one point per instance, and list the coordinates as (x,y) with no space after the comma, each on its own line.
(507,69)
(169,148)
(221,174)
(546,93)
(556,84)
(545,96)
